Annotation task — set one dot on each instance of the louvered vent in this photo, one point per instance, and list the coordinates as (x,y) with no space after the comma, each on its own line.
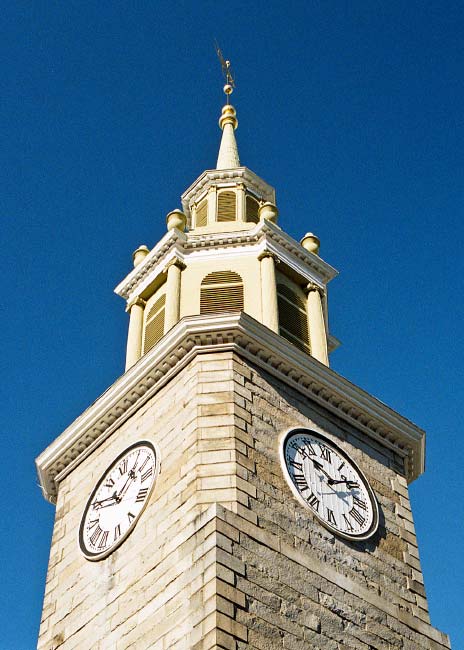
(154,324)
(221,291)
(252,207)
(201,217)
(226,206)
(293,321)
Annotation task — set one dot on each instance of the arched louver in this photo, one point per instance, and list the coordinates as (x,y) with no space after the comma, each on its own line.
(226,206)
(201,216)
(252,207)
(293,320)
(221,291)
(154,324)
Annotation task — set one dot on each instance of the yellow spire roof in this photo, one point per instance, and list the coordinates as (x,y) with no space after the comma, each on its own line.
(228,151)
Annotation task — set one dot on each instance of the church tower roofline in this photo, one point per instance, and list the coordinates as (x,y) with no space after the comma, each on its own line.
(197,335)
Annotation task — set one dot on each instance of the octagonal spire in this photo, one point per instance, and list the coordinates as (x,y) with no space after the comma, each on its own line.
(228,151)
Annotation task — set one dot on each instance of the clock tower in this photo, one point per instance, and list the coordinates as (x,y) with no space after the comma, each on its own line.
(230,490)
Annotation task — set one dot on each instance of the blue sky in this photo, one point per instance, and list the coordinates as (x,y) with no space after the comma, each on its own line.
(352,110)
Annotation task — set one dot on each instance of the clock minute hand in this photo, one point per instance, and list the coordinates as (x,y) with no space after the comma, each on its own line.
(125,487)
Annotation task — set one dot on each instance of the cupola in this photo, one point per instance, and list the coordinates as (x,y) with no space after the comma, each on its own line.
(224,252)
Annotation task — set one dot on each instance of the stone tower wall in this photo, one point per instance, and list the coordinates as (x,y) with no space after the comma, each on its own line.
(224,556)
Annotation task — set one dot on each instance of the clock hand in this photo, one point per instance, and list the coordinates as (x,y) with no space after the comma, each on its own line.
(332,481)
(318,466)
(96,504)
(349,484)
(106,505)
(125,487)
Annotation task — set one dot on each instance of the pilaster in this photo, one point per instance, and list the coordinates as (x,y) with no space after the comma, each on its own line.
(241,205)
(269,291)
(134,336)
(172,309)
(316,324)
(212,205)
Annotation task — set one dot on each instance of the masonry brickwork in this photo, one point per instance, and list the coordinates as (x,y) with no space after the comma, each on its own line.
(224,556)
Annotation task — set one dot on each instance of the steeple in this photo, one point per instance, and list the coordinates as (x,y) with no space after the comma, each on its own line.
(228,151)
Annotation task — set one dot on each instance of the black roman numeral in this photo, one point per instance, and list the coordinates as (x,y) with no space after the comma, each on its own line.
(298,466)
(117,532)
(359,502)
(300,482)
(123,467)
(348,525)
(95,535)
(147,474)
(330,517)
(325,453)
(308,450)
(142,493)
(131,517)
(339,469)
(104,539)
(357,516)
(313,501)
(92,523)
(109,483)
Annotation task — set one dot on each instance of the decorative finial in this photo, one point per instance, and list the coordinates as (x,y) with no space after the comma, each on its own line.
(311,242)
(228,152)
(227,72)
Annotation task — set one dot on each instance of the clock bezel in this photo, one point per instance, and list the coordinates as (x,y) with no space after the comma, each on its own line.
(329,442)
(90,555)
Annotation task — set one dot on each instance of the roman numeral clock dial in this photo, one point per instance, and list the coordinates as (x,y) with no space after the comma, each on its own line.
(327,481)
(118,500)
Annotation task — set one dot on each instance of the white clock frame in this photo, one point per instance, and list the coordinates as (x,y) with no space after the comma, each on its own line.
(157,465)
(341,452)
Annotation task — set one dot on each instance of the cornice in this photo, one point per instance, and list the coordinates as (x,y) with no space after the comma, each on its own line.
(265,235)
(287,248)
(333,343)
(157,254)
(253,341)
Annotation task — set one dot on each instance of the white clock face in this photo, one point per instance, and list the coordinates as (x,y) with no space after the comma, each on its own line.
(327,481)
(118,500)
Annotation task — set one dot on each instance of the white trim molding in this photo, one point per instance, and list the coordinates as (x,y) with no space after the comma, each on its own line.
(252,341)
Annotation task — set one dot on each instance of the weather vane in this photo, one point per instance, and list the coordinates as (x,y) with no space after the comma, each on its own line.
(226,71)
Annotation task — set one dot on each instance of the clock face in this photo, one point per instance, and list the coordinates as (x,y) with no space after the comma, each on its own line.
(329,483)
(118,500)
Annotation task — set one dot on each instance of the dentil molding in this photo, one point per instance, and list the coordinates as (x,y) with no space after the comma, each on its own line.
(265,236)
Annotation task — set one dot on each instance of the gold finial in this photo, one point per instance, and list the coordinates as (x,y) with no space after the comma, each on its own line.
(227,72)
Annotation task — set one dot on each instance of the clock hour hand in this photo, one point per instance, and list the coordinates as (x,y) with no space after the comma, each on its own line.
(349,484)
(98,504)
